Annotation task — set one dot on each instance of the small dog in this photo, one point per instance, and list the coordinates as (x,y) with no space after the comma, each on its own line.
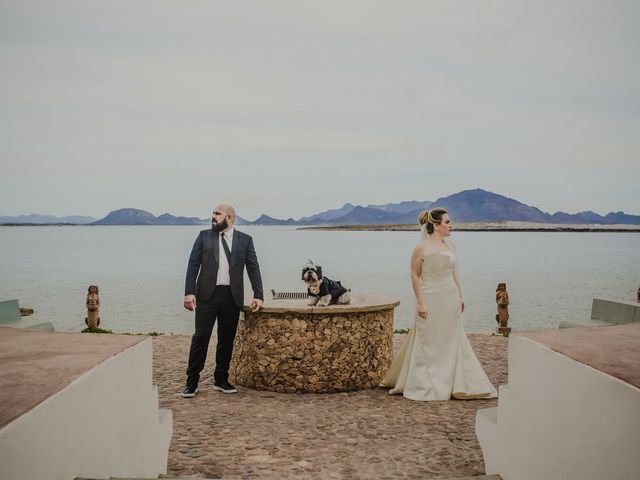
(322,290)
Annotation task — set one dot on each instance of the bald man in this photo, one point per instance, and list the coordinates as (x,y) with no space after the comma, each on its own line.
(214,288)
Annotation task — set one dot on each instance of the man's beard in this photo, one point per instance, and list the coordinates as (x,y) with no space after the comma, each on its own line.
(219,227)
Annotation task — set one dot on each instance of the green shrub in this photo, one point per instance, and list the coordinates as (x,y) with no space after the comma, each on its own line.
(401,330)
(95,330)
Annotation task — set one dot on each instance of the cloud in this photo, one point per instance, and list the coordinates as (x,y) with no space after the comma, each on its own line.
(158,106)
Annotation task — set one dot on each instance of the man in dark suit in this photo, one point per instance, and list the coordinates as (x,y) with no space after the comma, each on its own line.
(215,289)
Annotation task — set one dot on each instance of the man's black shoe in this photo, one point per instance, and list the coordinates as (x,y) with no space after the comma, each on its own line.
(224,387)
(189,392)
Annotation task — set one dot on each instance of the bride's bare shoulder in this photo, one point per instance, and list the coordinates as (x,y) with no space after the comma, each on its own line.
(420,248)
(426,247)
(450,245)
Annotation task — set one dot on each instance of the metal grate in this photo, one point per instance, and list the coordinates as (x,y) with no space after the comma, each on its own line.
(288,295)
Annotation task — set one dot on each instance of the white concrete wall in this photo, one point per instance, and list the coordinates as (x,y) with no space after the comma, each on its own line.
(106,423)
(560,419)
(605,313)
(615,311)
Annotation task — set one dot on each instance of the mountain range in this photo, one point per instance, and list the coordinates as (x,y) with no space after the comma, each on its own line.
(133,216)
(467,206)
(44,219)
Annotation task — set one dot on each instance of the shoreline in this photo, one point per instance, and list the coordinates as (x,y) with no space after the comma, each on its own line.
(489,227)
(459,227)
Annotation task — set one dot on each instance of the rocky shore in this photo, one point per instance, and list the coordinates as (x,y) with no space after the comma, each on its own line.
(358,435)
(492,227)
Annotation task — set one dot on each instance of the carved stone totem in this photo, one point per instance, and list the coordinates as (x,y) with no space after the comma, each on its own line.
(502,317)
(93,307)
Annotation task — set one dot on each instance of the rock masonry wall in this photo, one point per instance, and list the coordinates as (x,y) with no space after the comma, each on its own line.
(313,352)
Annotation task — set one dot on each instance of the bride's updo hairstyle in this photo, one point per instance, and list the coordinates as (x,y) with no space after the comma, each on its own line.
(428,218)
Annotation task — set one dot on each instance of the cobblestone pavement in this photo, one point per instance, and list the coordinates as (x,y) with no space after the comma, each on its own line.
(356,435)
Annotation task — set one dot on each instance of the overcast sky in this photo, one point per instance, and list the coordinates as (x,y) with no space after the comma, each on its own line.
(293,107)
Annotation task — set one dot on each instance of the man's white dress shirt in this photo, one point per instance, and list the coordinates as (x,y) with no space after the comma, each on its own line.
(223,264)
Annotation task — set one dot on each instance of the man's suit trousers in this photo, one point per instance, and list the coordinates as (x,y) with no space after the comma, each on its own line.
(222,308)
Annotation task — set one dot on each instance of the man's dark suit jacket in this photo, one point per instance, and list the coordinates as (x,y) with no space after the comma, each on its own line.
(202,271)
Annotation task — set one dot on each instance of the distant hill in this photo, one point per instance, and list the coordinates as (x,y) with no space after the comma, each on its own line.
(481,206)
(43,219)
(621,217)
(349,214)
(371,216)
(328,215)
(267,220)
(133,216)
(581,217)
(403,207)
(168,219)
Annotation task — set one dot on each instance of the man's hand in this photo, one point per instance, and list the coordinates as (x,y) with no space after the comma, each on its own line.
(190,302)
(256,304)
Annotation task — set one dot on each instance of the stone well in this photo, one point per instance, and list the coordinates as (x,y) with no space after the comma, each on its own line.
(291,347)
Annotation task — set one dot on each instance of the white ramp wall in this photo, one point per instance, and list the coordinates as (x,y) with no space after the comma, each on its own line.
(560,419)
(106,423)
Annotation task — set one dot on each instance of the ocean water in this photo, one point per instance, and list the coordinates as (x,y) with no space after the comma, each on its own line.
(140,271)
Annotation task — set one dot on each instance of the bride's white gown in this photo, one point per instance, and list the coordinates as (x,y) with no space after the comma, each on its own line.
(436,361)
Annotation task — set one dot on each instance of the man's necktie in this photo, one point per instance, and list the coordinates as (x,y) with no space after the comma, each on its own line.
(225,245)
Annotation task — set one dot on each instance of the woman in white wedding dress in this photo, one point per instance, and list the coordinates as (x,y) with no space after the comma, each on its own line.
(436,361)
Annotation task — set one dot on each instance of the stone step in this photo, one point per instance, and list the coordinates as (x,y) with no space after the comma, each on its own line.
(172,477)
(161,477)
(479,477)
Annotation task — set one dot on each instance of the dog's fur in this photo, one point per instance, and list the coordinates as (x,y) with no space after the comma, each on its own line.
(322,290)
